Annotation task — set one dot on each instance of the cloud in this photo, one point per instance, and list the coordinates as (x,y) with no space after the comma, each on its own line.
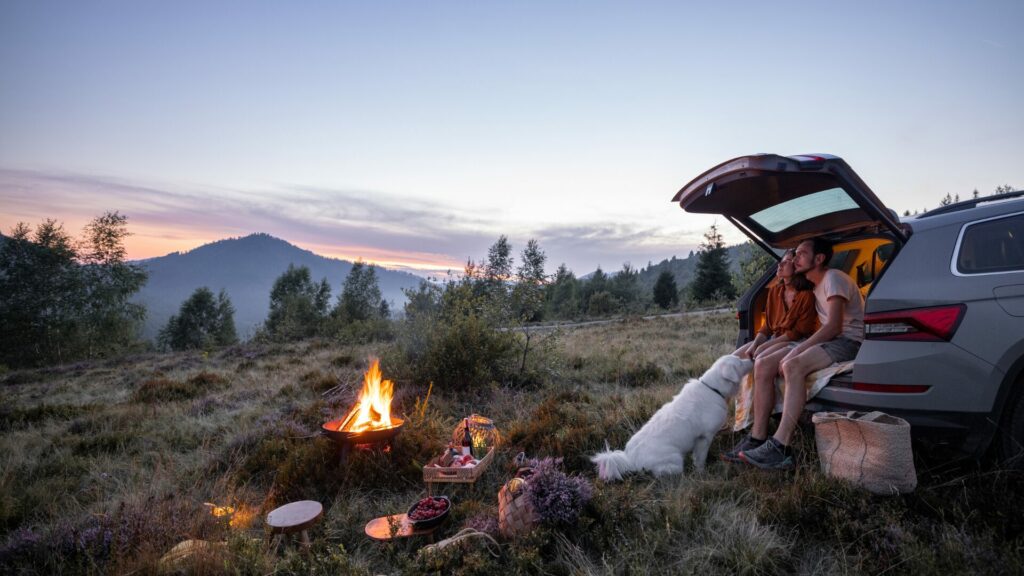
(398,232)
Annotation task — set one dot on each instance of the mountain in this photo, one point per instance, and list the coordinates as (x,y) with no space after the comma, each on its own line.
(246,268)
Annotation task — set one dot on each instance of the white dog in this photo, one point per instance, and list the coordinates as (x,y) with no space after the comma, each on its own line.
(686,424)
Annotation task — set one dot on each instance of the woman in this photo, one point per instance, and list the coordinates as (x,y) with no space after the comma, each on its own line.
(790,316)
(789,312)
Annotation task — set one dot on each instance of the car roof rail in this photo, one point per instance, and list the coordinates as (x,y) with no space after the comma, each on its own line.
(971,203)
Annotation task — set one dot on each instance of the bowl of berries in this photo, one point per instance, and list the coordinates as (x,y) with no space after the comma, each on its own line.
(429,511)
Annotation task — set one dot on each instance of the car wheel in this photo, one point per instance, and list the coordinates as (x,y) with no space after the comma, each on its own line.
(1011,442)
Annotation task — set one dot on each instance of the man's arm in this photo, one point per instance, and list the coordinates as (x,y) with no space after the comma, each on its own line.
(832,327)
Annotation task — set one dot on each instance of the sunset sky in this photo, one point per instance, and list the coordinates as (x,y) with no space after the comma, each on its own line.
(412,134)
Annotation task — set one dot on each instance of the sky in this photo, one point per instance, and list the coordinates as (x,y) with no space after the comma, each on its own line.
(413,134)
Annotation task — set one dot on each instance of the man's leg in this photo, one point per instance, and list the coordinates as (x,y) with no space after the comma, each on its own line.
(766,368)
(795,371)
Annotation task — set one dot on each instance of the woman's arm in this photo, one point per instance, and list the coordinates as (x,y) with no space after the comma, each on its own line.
(748,349)
(772,346)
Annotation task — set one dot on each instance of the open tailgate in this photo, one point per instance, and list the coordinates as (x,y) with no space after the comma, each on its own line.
(780,201)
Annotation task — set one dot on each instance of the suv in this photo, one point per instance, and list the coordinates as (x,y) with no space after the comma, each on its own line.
(944,294)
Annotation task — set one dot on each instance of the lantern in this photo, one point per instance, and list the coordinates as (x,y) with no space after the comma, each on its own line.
(482,430)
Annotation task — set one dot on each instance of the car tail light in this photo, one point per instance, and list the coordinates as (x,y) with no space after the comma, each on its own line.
(936,324)
(891,388)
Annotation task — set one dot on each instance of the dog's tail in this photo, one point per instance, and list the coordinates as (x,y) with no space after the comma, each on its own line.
(612,464)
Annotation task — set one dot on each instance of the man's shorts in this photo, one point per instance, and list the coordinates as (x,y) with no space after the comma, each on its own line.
(841,349)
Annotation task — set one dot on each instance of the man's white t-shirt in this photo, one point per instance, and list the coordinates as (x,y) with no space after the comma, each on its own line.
(836,283)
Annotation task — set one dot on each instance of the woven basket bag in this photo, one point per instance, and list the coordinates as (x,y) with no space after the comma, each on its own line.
(870,449)
(516,514)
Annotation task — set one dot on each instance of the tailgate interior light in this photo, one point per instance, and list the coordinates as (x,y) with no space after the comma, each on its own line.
(934,324)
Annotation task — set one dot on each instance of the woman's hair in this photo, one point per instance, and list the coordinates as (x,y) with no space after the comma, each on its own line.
(800,282)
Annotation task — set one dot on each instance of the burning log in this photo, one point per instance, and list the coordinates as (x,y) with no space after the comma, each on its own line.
(370,420)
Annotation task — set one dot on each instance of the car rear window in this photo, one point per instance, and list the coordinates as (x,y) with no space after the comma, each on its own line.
(782,216)
(992,246)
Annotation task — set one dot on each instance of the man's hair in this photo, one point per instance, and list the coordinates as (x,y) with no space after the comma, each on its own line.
(821,246)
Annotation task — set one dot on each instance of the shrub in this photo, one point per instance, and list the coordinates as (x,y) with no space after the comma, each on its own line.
(161,389)
(639,373)
(12,418)
(317,381)
(458,347)
(602,303)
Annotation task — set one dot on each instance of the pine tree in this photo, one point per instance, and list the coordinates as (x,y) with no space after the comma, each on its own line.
(201,323)
(624,285)
(712,280)
(666,293)
(360,297)
(596,284)
(528,293)
(298,306)
(225,333)
(563,294)
(498,268)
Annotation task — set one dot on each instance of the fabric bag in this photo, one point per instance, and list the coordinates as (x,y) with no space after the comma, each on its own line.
(516,513)
(870,449)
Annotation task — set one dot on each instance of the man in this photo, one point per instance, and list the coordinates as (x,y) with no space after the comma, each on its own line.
(841,314)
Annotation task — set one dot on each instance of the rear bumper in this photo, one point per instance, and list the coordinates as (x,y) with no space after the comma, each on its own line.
(942,435)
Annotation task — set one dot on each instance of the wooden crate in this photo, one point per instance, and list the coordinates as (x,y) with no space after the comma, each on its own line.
(434,474)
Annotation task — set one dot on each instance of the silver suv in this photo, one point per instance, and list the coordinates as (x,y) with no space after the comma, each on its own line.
(944,294)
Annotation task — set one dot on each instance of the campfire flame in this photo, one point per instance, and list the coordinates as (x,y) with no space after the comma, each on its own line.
(373,410)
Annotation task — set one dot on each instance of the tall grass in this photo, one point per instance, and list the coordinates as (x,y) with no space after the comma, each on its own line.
(104,467)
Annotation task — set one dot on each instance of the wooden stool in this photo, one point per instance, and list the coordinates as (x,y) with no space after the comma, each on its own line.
(294,517)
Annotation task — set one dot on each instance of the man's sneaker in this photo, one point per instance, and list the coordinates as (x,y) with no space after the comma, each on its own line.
(772,455)
(748,443)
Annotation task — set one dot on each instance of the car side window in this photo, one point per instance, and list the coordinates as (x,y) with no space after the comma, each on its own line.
(995,245)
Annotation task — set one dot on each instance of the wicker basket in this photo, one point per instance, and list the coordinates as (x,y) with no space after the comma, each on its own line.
(516,513)
(434,474)
(871,450)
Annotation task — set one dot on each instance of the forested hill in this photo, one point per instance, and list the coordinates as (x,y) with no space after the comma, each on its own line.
(683,269)
(246,268)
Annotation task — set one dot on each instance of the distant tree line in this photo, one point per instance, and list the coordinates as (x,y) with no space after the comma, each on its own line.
(66,300)
(301,308)
(954,198)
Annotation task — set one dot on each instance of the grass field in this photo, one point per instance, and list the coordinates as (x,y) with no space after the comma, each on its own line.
(106,466)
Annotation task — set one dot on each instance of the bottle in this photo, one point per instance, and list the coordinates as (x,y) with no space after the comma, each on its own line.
(467,441)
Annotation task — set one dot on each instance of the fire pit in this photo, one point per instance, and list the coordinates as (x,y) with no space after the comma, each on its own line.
(369,422)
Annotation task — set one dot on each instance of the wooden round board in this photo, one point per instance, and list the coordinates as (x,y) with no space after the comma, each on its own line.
(294,517)
(380,528)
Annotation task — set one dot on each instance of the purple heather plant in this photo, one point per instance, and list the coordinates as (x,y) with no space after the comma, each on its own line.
(483,522)
(557,497)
